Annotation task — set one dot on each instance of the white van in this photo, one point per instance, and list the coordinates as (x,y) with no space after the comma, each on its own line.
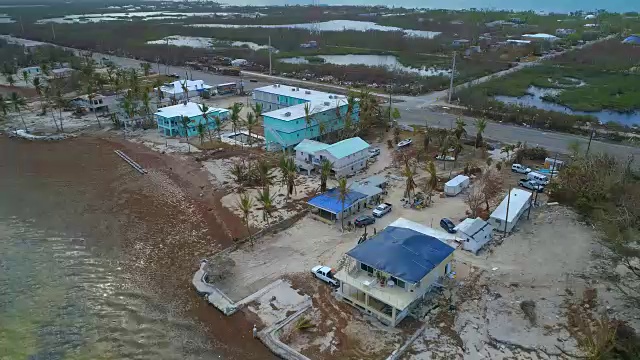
(520,169)
(541,179)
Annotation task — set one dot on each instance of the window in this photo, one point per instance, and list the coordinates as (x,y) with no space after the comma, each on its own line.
(398,282)
(298,135)
(366,268)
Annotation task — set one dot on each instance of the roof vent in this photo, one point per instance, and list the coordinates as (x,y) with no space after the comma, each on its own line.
(184,103)
(326,103)
(275,85)
(308,92)
(330,96)
(293,89)
(297,89)
(288,113)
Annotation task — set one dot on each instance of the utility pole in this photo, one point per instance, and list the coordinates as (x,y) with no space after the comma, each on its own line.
(21,25)
(453,71)
(390,107)
(53,32)
(590,138)
(553,168)
(506,218)
(270,68)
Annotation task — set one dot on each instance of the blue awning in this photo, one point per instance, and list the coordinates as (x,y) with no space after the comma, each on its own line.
(404,253)
(330,200)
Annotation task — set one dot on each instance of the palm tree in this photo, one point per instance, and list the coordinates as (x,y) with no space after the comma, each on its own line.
(292,173)
(185,125)
(204,109)
(410,184)
(11,80)
(325,171)
(265,173)
(456,145)
(250,123)
(343,194)
(60,103)
(91,96)
(37,85)
(25,77)
(308,117)
(481,125)
(201,133)
(235,115)
(19,103)
(508,149)
(433,175)
(146,68)
(427,138)
(146,105)
(245,204)
(218,122)
(459,131)
(129,105)
(267,201)
(257,111)
(322,129)
(45,69)
(185,89)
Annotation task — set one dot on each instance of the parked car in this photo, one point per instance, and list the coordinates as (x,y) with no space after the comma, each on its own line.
(364,220)
(253,80)
(373,152)
(448,226)
(531,185)
(325,274)
(382,209)
(405,142)
(537,177)
(521,169)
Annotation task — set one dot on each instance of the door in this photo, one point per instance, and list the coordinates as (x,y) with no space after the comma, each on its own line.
(447,268)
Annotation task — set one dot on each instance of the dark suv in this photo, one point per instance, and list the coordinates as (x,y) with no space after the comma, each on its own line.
(447,225)
(364,220)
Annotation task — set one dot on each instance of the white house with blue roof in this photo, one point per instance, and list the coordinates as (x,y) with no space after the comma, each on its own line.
(329,207)
(392,271)
(347,156)
(292,114)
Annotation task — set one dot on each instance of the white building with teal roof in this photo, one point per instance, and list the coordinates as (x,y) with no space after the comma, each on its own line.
(347,156)
(169,119)
(292,114)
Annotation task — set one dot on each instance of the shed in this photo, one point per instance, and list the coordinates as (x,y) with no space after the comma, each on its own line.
(553,164)
(475,233)
(510,210)
(455,186)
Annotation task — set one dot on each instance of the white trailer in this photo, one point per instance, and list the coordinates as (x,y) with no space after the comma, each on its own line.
(512,206)
(455,186)
(475,233)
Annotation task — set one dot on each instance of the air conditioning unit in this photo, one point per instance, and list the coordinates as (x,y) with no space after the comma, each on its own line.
(293,89)
(330,96)
(288,113)
(308,92)
(326,103)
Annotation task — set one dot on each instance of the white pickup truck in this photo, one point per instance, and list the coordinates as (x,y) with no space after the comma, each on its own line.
(325,274)
(382,209)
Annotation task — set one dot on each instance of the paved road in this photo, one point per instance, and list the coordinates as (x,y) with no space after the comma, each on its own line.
(416,110)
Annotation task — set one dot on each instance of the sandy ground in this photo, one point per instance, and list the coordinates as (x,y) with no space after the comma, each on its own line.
(44,123)
(154,140)
(295,250)
(531,264)
(286,207)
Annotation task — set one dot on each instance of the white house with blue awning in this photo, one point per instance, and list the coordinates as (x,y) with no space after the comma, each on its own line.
(389,273)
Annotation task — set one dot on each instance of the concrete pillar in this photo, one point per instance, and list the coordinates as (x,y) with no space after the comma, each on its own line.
(393,316)
(366,299)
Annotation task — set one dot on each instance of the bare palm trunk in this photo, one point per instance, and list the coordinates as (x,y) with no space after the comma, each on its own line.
(23,123)
(96,114)
(53,116)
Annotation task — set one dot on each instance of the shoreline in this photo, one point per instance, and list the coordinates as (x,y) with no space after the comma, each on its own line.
(156,226)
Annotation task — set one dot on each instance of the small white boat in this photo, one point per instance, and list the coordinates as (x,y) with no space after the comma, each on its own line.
(405,142)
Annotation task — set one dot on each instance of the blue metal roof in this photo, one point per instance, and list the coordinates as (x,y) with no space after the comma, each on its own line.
(404,253)
(330,200)
(347,147)
(633,39)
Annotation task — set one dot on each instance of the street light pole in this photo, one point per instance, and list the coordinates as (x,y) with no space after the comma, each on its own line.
(270,67)
(453,71)
(506,218)
(590,138)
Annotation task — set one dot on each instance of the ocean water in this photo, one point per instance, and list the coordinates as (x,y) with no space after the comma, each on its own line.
(520,5)
(76,272)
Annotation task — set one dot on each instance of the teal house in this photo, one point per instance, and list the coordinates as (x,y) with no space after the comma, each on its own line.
(285,114)
(169,119)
